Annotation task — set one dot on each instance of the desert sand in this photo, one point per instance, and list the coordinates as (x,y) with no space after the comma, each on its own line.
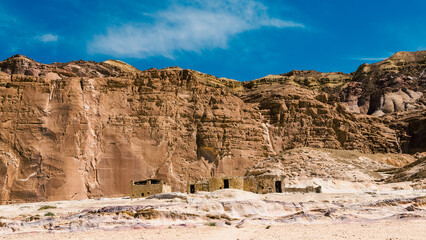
(224,214)
(378,230)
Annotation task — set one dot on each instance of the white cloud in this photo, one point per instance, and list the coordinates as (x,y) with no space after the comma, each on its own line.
(48,38)
(370,58)
(187,26)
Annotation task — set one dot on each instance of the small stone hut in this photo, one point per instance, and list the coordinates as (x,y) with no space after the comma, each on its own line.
(194,187)
(148,187)
(226,182)
(216,183)
(257,184)
(261,184)
(264,184)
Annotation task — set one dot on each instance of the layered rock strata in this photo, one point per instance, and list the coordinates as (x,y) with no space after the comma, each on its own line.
(85,129)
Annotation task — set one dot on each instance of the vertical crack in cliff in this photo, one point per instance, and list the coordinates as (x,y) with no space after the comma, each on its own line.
(267,135)
(397,143)
(91,143)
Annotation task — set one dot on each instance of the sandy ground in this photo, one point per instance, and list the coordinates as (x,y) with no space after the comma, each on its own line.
(14,210)
(224,214)
(378,230)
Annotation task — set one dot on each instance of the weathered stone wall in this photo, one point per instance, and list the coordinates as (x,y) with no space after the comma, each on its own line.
(256,184)
(198,186)
(262,184)
(148,189)
(303,189)
(218,183)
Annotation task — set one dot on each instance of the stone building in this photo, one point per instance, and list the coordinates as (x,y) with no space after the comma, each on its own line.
(194,187)
(226,182)
(216,183)
(264,184)
(148,187)
(260,184)
(257,184)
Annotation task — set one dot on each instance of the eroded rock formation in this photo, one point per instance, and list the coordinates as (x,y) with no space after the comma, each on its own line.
(85,129)
(393,85)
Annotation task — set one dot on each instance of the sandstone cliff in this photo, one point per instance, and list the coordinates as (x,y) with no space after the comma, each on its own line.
(85,129)
(90,128)
(393,85)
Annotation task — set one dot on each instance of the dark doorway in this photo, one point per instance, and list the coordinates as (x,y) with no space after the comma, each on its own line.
(155,181)
(192,188)
(225,183)
(141,182)
(278,188)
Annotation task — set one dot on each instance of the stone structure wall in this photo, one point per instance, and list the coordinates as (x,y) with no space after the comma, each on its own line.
(264,184)
(194,187)
(220,183)
(303,190)
(148,187)
(256,184)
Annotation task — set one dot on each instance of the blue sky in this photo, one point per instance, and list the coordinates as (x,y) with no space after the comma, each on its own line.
(239,39)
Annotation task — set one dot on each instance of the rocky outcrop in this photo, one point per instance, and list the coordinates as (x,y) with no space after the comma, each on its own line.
(330,83)
(411,130)
(227,208)
(85,129)
(396,84)
(415,171)
(300,117)
(85,136)
(301,165)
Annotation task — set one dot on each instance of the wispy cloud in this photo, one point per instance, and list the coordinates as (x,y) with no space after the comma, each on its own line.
(12,38)
(370,58)
(46,38)
(187,26)
(6,21)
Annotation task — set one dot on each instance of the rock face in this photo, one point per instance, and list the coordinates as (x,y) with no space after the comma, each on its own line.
(300,117)
(393,85)
(84,136)
(301,165)
(411,130)
(415,171)
(331,82)
(86,129)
